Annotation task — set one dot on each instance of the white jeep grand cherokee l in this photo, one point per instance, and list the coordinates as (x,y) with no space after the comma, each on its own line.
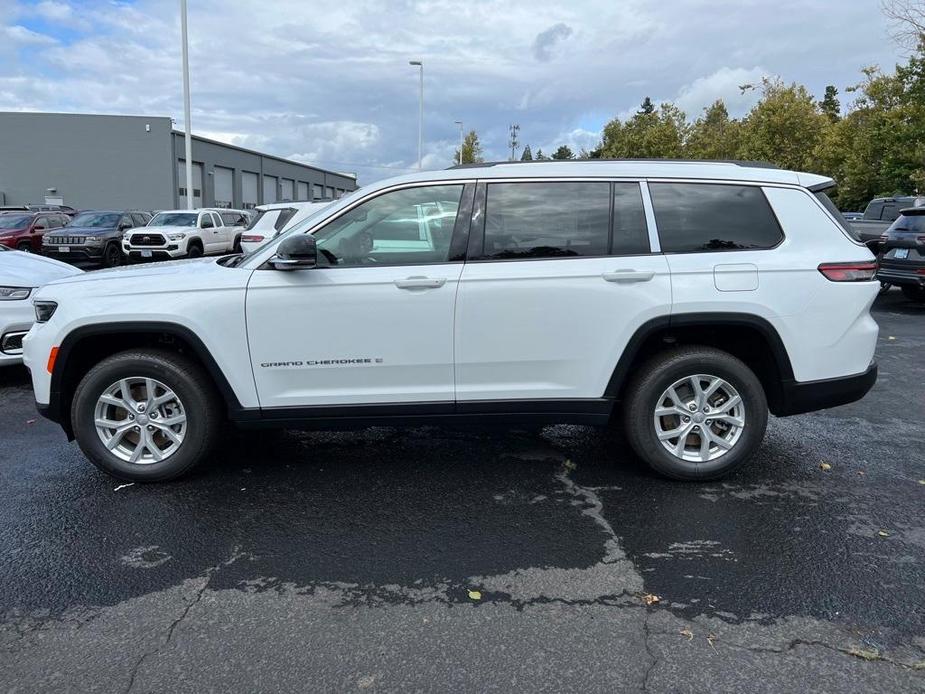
(683,299)
(185,234)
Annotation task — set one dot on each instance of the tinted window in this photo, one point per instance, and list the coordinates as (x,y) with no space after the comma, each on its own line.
(713,217)
(546,220)
(409,226)
(138,219)
(630,232)
(890,212)
(839,217)
(206,222)
(127,221)
(177,219)
(909,223)
(14,221)
(284,217)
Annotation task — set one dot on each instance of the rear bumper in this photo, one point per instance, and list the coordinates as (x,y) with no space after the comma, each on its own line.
(809,396)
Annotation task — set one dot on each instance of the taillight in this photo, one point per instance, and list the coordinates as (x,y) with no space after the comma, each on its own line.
(920,239)
(849,272)
(251,238)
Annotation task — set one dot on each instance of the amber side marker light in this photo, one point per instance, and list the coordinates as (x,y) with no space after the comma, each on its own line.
(849,272)
(52,357)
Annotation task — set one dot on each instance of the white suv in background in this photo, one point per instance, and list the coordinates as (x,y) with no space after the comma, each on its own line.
(274,218)
(186,234)
(682,300)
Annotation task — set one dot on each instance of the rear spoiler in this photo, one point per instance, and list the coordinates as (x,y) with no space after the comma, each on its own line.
(821,187)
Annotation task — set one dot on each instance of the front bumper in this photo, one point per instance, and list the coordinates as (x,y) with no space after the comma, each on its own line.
(808,396)
(78,255)
(157,253)
(16,317)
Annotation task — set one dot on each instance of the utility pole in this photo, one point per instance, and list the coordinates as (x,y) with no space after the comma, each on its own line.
(514,129)
(460,124)
(186,108)
(420,65)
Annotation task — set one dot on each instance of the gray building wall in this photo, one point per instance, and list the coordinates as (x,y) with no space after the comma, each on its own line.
(98,161)
(92,161)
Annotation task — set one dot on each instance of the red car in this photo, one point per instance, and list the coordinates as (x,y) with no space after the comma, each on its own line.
(23,231)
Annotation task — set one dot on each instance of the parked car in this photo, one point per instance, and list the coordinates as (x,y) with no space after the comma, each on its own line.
(93,237)
(595,292)
(23,231)
(902,261)
(66,209)
(274,218)
(879,214)
(20,275)
(186,234)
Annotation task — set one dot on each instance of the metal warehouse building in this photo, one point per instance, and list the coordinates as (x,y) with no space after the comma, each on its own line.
(137,162)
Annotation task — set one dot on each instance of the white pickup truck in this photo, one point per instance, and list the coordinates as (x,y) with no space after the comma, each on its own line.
(185,234)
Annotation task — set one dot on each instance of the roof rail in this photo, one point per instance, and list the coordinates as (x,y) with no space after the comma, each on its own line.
(736,162)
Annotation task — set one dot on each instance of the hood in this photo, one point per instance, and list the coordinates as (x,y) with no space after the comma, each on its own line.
(160,229)
(29,270)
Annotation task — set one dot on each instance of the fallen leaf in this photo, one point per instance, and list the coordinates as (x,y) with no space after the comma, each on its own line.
(865,654)
(710,639)
(825,466)
(889,338)
(921,481)
(688,633)
(30,421)
(569,465)
(883,533)
(123,486)
(475,595)
(650,599)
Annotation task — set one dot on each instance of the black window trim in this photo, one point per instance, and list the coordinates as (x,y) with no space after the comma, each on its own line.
(477,229)
(731,182)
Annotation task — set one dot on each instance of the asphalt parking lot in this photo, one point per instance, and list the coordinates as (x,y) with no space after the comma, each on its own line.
(438,559)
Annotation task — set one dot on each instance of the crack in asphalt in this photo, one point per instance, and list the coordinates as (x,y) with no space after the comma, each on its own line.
(647,634)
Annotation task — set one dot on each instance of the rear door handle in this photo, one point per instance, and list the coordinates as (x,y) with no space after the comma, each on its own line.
(420,283)
(627,276)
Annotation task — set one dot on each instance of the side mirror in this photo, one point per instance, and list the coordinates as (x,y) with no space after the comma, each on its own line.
(39,227)
(124,226)
(296,253)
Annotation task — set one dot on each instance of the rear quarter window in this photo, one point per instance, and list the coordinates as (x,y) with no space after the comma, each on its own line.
(708,217)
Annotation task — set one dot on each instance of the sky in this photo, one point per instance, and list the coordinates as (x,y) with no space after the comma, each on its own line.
(329,83)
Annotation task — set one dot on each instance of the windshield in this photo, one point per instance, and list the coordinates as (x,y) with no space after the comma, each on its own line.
(174,219)
(908,223)
(95,220)
(833,210)
(14,221)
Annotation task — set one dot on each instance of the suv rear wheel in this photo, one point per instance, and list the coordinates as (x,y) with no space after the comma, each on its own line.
(695,413)
(146,415)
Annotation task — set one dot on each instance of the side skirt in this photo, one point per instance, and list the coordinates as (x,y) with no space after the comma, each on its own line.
(503,413)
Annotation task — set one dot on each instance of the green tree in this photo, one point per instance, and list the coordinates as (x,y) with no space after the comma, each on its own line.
(659,133)
(527,154)
(830,105)
(646,107)
(564,152)
(540,156)
(471,150)
(714,135)
(785,127)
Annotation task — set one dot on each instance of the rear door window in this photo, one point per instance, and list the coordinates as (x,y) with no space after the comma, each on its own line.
(550,219)
(706,217)
(630,232)
(827,203)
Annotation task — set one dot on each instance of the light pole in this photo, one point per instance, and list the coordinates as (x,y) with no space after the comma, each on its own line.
(420,64)
(460,124)
(186,108)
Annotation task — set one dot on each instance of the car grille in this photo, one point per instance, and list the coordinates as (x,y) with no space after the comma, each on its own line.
(147,240)
(63,240)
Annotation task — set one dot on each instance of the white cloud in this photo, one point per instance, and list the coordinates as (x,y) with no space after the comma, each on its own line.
(21,35)
(723,84)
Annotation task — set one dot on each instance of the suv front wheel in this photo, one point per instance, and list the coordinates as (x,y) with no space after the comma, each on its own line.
(695,413)
(146,415)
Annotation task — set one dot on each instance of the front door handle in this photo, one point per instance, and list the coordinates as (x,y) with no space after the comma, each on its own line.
(627,276)
(420,283)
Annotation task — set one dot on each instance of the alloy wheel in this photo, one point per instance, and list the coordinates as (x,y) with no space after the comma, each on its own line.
(699,418)
(140,420)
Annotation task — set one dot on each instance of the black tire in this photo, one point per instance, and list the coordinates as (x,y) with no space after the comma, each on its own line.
(192,386)
(194,251)
(112,255)
(655,376)
(236,248)
(25,247)
(913,293)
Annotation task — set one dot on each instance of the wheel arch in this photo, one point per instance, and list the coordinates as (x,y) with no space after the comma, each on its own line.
(87,345)
(751,338)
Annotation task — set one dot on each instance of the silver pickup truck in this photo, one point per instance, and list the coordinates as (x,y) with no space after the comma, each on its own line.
(880,213)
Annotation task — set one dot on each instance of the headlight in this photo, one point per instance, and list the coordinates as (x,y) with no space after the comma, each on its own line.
(44,310)
(93,240)
(177,236)
(14,293)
